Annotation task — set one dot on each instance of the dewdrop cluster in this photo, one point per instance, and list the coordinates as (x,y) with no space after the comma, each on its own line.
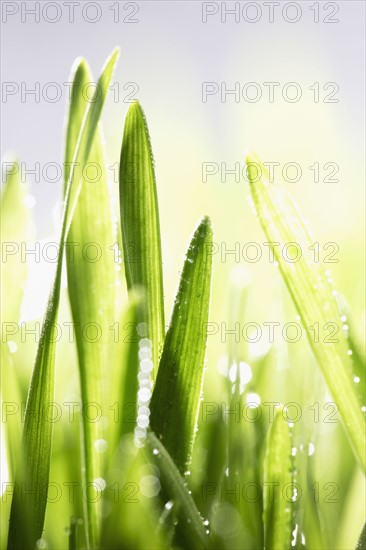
(144,392)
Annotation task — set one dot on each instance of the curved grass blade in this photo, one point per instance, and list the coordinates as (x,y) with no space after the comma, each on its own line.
(312,295)
(27,514)
(361,543)
(91,286)
(176,488)
(140,226)
(277,476)
(176,397)
(16,228)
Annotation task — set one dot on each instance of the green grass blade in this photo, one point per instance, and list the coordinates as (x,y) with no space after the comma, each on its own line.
(277,476)
(176,489)
(140,226)
(16,228)
(91,287)
(176,397)
(312,296)
(27,514)
(361,543)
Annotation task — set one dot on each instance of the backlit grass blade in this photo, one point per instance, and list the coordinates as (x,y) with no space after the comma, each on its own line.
(176,397)
(140,226)
(16,230)
(277,485)
(176,488)
(27,514)
(312,295)
(91,274)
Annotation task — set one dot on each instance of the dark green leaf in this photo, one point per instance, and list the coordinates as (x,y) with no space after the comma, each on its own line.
(176,397)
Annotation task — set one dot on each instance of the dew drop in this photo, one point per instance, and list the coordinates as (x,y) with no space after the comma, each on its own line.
(100,445)
(146,365)
(169,505)
(142,329)
(144,395)
(144,353)
(150,486)
(145,343)
(142,421)
(13,348)
(253,399)
(144,411)
(311,449)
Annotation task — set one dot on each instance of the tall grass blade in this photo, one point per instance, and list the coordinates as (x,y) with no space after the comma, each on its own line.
(176,488)
(176,397)
(27,514)
(16,228)
(277,477)
(91,286)
(140,227)
(312,296)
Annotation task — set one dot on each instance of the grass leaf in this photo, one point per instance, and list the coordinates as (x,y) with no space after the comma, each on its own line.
(312,296)
(16,229)
(91,286)
(27,514)
(176,488)
(140,226)
(278,477)
(176,397)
